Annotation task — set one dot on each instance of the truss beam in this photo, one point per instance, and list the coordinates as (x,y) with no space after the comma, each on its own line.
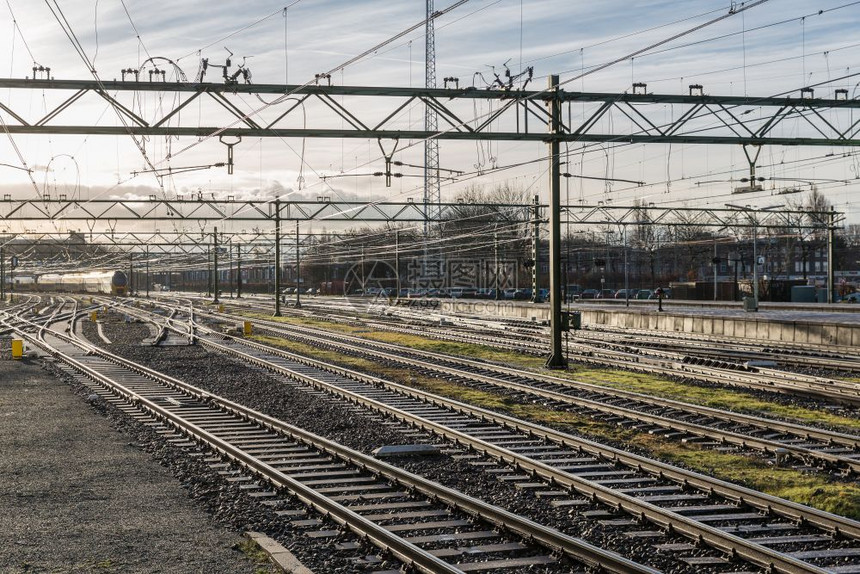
(205,211)
(633,118)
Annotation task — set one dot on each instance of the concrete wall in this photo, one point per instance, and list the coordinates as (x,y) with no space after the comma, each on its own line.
(748,326)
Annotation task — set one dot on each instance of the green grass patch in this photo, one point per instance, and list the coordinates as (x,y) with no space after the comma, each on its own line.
(814,490)
(469,350)
(256,554)
(838,497)
(302,321)
(729,399)
(355,363)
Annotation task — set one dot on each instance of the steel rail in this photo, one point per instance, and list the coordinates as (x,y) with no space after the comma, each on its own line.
(730,351)
(672,363)
(725,542)
(807,358)
(408,356)
(830,437)
(773,380)
(703,339)
(403,550)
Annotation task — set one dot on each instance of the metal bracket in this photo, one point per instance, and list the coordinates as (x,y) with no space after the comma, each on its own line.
(230,151)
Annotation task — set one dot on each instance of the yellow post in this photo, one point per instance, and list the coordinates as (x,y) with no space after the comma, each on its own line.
(94,316)
(17,349)
(246,328)
(220,308)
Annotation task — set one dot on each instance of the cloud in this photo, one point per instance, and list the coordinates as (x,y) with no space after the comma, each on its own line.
(556,36)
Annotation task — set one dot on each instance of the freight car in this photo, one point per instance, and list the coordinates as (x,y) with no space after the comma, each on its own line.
(104,282)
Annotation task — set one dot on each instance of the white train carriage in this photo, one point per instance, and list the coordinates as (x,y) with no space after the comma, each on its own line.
(103,282)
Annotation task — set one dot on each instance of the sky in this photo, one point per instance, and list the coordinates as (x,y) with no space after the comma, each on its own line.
(774,48)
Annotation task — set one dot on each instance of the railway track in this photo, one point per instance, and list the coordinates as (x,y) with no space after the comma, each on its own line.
(426,526)
(673,365)
(739,525)
(663,363)
(826,449)
(685,347)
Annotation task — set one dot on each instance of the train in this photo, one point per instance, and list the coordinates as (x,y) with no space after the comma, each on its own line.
(103,282)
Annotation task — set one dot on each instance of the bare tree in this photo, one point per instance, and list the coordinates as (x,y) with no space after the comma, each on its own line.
(810,228)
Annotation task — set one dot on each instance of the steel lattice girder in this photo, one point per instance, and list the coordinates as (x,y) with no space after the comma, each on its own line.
(112,211)
(519,115)
(210,210)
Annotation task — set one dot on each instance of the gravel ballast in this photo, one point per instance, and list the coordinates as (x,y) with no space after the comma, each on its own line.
(335,420)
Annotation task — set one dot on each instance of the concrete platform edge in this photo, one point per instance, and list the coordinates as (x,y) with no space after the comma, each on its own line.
(283,558)
(753,326)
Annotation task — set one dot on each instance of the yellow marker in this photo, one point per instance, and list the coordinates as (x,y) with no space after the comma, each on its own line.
(17,349)
(94,316)
(246,328)
(220,308)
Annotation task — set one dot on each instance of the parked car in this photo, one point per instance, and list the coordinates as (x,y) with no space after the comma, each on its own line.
(626,293)
(463,292)
(574,292)
(667,293)
(486,294)
(588,294)
(852,298)
(605,294)
(522,294)
(644,294)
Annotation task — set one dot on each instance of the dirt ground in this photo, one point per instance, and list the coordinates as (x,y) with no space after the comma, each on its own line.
(77,496)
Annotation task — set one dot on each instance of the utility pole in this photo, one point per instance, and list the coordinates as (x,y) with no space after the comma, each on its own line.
(238,272)
(363,282)
(755,261)
(277,258)
(831,222)
(147,271)
(397,262)
(536,251)
(130,272)
(2,275)
(556,358)
(230,271)
(215,264)
(716,262)
(208,271)
(496,267)
(298,270)
(626,270)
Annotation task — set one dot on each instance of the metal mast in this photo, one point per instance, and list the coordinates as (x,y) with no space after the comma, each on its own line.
(432,193)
